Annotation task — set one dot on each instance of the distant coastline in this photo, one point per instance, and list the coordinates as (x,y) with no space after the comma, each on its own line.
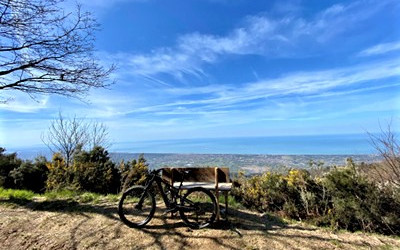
(246,153)
(245,162)
(341,144)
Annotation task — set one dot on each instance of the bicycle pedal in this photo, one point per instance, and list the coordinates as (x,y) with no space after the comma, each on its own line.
(171,210)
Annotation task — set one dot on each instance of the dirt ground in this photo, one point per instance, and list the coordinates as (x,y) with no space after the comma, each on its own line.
(71,225)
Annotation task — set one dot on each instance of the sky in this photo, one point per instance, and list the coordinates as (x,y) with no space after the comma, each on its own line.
(219,68)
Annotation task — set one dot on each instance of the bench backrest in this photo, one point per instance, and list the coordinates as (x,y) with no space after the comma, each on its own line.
(207,174)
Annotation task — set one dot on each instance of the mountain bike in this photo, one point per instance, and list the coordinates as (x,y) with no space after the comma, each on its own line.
(197,207)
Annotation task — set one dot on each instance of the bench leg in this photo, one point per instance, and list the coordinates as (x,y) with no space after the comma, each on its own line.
(218,210)
(226,205)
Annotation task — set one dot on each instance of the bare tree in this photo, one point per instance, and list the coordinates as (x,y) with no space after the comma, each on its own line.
(69,135)
(66,136)
(388,146)
(98,135)
(45,50)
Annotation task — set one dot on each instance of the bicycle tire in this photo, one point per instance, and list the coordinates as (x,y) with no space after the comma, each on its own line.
(198,203)
(131,212)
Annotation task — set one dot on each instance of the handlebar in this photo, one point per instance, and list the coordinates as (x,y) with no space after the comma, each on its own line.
(156,171)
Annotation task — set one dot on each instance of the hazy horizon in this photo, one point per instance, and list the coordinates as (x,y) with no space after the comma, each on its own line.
(355,144)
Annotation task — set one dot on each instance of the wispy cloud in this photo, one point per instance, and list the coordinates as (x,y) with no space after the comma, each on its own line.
(301,84)
(167,102)
(22,103)
(195,49)
(382,48)
(298,87)
(258,35)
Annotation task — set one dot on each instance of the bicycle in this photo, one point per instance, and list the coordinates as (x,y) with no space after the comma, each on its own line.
(197,207)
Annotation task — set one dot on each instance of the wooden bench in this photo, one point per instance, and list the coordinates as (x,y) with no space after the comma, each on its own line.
(215,179)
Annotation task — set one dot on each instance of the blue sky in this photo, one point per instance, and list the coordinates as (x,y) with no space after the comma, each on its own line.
(219,68)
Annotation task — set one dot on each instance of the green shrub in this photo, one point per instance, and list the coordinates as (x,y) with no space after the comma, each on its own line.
(91,171)
(59,176)
(342,198)
(8,162)
(18,174)
(31,175)
(95,172)
(134,172)
(264,193)
(359,204)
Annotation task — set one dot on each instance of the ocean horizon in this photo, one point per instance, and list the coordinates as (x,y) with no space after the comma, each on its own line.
(349,144)
(343,144)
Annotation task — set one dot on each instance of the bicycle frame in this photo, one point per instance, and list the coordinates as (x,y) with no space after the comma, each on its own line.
(185,204)
(159,181)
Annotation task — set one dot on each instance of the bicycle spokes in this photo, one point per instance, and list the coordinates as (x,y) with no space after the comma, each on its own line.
(198,208)
(136,207)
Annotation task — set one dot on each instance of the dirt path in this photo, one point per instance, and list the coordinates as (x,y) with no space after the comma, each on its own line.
(71,225)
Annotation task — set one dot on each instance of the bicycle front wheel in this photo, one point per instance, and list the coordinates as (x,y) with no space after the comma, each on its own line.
(136,207)
(198,208)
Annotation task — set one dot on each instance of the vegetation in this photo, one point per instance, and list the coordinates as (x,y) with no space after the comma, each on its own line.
(387,144)
(16,194)
(89,171)
(342,198)
(134,172)
(77,196)
(31,175)
(8,162)
(70,135)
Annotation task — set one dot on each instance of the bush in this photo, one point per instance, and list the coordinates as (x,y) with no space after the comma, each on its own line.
(18,174)
(95,172)
(342,198)
(359,204)
(8,162)
(59,176)
(91,171)
(263,193)
(134,172)
(31,175)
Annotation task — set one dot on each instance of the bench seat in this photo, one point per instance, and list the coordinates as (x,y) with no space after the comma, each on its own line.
(206,185)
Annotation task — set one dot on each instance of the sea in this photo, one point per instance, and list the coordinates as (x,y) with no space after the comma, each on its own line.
(343,144)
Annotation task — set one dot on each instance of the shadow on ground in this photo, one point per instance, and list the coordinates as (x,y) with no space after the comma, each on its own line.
(243,229)
(237,218)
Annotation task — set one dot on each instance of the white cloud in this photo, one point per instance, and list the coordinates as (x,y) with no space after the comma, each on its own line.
(165,101)
(261,35)
(223,99)
(195,49)
(23,103)
(382,48)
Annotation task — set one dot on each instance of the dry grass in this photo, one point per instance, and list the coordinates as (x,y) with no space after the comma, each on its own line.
(64,224)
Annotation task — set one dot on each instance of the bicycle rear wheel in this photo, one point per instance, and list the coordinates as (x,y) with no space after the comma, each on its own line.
(198,208)
(136,207)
